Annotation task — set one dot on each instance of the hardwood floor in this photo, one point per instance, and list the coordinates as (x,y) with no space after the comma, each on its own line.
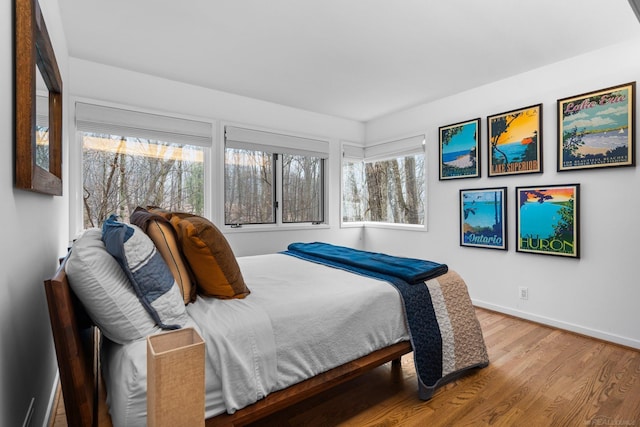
(538,376)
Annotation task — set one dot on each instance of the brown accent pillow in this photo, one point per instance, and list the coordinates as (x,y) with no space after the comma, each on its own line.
(161,232)
(208,254)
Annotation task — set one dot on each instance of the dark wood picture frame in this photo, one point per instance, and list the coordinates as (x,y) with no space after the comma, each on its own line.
(548,220)
(597,129)
(483,218)
(34,54)
(459,150)
(514,142)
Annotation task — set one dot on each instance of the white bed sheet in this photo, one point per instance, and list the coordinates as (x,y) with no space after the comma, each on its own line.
(300,319)
(124,369)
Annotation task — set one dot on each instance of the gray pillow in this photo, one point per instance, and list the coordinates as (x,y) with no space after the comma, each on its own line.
(105,291)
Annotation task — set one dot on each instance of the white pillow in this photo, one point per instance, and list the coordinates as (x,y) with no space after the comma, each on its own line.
(105,291)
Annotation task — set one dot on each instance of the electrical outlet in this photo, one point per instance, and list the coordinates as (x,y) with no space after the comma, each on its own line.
(523,292)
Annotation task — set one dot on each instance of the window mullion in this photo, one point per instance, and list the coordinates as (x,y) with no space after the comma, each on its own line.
(323,191)
(277,184)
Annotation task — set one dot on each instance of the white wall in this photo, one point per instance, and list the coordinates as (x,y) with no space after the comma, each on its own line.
(596,295)
(114,85)
(35,234)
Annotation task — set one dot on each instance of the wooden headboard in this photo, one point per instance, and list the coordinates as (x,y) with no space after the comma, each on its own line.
(76,341)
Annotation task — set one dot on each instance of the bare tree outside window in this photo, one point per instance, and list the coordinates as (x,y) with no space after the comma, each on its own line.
(301,189)
(121,173)
(42,147)
(353,191)
(391,191)
(248,187)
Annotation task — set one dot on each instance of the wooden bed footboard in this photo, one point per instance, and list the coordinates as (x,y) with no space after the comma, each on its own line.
(281,399)
(76,341)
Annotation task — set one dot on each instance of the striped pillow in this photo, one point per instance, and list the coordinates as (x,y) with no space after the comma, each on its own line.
(148,273)
(164,238)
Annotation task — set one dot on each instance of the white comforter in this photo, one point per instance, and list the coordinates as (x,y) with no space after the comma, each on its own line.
(300,319)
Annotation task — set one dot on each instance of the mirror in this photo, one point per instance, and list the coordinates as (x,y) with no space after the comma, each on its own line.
(38,104)
(42,122)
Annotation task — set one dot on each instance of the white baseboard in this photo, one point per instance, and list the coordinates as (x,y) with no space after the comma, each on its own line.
(616,339)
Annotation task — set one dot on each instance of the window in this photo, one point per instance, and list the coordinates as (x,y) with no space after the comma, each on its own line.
(386,185)
(272,178)
(132,159)
(395,190)
(249,196)
(121,173)
(353,184)
(302,188)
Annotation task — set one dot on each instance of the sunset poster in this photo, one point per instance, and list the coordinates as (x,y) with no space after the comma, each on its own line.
(596,129)
(547,220)
(483,221)
(459,144)
(515,141)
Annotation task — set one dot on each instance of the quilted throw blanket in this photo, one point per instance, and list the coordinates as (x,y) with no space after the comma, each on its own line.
(444,330)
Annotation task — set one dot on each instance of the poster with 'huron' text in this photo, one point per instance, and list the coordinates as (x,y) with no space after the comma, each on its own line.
(547,220)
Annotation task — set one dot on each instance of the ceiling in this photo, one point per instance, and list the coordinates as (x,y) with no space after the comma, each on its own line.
(356,59)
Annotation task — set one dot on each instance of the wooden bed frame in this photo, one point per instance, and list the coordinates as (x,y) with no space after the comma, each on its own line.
(76,340)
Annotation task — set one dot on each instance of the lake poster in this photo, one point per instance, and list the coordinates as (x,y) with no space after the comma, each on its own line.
(483,218)
(459,150)
(596,129)
(547,220)
(515,141)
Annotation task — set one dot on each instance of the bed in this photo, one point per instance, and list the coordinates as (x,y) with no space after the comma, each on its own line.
(314,326)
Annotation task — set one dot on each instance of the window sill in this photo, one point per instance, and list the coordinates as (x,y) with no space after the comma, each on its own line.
(358,224)
(252,228)
(388,225)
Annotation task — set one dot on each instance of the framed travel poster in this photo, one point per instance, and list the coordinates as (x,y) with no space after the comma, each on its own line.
(483,220)
(515,141)
(597,129)
(547,220)
(459,149)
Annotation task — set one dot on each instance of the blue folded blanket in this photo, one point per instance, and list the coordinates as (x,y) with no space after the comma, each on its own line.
(430,355)
(410,270)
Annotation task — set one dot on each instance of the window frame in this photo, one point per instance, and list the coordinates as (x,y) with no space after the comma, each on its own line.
(274,197)
(350,158)
(386,147)
(279,225)
(323,191)
(76,208)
